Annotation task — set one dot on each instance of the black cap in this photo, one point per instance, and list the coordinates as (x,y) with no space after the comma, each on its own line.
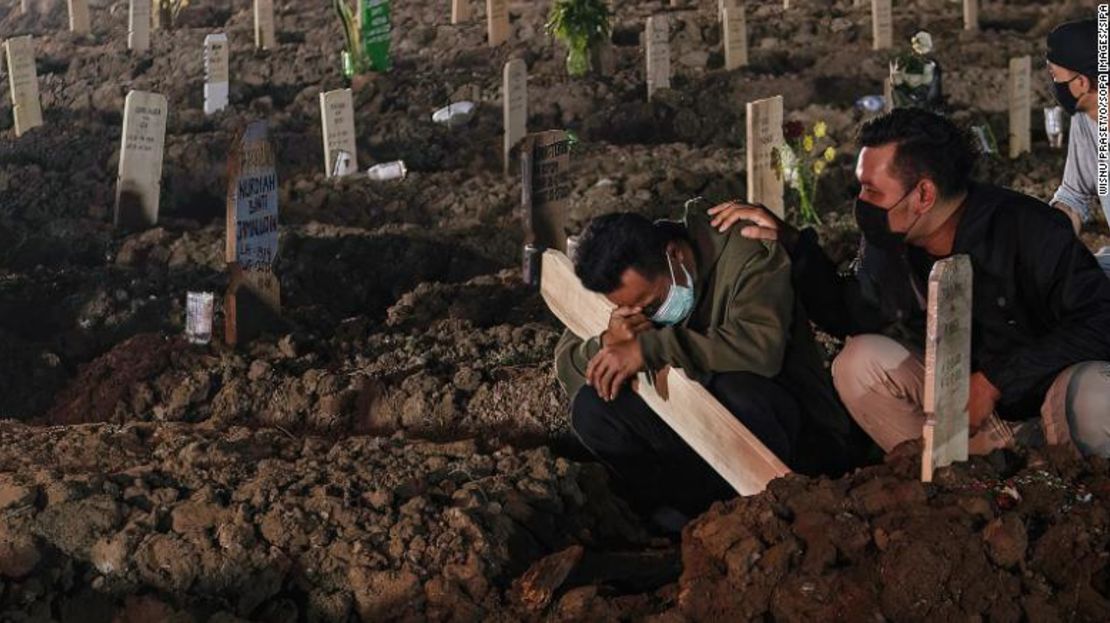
(1074,46)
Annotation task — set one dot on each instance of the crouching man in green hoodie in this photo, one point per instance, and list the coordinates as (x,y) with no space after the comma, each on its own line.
(720,307)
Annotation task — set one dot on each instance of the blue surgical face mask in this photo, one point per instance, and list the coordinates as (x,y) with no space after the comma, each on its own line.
(679,302)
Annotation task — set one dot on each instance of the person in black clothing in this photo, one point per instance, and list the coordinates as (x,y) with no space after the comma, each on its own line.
(1040,303)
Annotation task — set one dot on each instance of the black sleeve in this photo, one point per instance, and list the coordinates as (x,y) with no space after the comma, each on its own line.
(835,302)
(1068,277)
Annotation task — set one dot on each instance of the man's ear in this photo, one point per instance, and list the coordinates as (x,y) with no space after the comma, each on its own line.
(1086,85)
(926,196)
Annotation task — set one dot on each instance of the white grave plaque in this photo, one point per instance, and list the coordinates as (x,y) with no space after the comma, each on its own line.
(736,36)
(882,25)
(337,112)
(947,365)
(460,11)
(1021,137)
(497,21)
(216,74)
(657,47)
(514,94)
(199,308)
(24,82)
(138,26)
(971,14)
(79,16)
(140,161)
(264,37)
(764,130)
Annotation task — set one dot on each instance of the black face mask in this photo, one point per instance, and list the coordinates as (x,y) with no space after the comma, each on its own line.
(1067,101)
(874,222)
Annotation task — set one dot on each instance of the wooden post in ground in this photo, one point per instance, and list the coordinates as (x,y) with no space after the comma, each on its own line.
(1021,137)
(139,184)
(734,28)
(657,48)
(687,407)
(882,25)
(764,134)
(497,21)
(24,83)
(460,11)
(971,14)
(947,365)
(79,16)
(337,117)
(514,104)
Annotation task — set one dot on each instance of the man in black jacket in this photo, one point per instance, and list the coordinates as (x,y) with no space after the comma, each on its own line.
(1040,303)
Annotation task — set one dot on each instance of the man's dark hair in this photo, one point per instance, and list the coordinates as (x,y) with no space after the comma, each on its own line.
(929,145)
(613,243)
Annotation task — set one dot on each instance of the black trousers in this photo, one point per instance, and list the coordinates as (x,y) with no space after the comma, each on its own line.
(654,465)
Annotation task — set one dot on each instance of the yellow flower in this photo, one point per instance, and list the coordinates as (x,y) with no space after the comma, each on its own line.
(807,143)
(830,154)
(819,167)
(820,129)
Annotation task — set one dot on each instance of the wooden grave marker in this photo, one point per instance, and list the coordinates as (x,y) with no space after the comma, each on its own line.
(514,103)
(497,21)
(1021,133)
(79,16)
(764,134)
(337,114)
(217,76)
(545,187)
(882,25)
(264,35)
(24,82)
(139,183)
(971,14)
(947,365)
(657,48)
(253,298)
(460,11)
(735,29)
(138,26)
(687,407)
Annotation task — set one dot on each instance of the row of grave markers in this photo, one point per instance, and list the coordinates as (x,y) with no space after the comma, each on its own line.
(143,16)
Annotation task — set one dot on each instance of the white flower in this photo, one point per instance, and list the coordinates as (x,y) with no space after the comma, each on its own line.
(922,43)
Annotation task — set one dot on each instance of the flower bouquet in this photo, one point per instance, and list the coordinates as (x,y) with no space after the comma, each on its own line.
(801,160)
(915,78)
(580,25)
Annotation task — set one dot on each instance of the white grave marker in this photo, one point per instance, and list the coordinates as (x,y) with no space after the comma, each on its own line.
(882,25)
(138,26)
(460,11)
(971,14)
(657,46)
(337,112)
(735,28)
(497,21)
(514,101)
(947,365)
(140,161)
(79,16)
(199,307)
(24,82)
(264,37)
(1021,137)
(764,130)
(252,235)
(216,73)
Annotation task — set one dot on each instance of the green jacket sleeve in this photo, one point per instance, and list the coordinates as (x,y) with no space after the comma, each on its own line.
(752,333)
(572,354)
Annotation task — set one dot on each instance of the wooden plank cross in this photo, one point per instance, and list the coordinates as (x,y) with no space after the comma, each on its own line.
(702,422)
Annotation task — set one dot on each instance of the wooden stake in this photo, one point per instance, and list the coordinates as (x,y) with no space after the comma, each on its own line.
(947,365)
(514,103)
(497,21)
(1021,138)
(882,25)
(657,47)
(764,134)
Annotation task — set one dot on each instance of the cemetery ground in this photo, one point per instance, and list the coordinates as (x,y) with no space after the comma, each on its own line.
(398,448)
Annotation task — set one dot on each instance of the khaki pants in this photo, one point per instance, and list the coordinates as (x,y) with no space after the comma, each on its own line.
(882,384)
